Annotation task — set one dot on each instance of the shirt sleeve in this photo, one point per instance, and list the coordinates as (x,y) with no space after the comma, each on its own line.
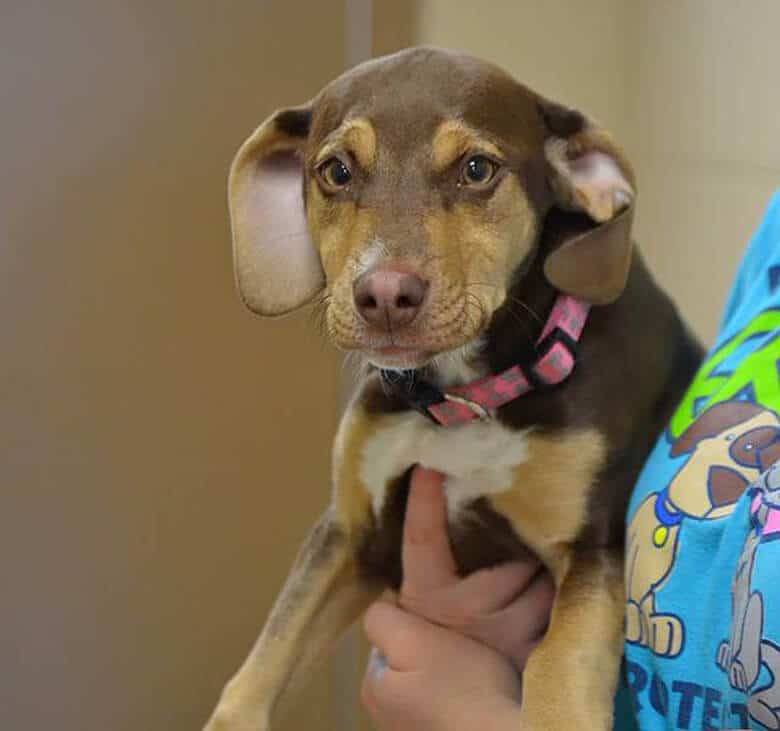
(762,249)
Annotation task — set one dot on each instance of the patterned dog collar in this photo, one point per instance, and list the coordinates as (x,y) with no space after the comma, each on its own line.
(557,356)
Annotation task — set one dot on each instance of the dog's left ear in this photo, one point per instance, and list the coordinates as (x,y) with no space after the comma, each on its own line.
(589,175)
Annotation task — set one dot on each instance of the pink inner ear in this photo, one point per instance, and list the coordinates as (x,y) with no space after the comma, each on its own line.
(276,200)
(600,185)
(277,265)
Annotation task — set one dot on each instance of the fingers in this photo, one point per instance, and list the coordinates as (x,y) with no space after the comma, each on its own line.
(390,631)
(530,612)
(402,638)
(377,664)
(426,554)
(491,590)
(390,688)
(463,604)
(382,691)
(517,628)
(423,676)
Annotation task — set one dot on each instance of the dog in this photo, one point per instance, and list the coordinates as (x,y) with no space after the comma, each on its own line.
(471,239)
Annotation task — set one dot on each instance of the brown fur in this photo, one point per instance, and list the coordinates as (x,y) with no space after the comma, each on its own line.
(495,257)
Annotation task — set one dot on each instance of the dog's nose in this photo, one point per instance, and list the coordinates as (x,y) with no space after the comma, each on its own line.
(389,299)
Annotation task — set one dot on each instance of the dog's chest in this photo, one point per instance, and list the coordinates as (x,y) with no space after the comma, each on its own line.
(480,457)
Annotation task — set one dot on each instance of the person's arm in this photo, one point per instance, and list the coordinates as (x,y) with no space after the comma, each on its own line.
(449,649)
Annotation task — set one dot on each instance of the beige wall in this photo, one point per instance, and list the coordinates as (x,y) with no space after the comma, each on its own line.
(566,49)
(689,87)
(162,453)
(706,115)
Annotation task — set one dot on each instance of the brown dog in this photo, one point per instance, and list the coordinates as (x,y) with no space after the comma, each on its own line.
(441,210)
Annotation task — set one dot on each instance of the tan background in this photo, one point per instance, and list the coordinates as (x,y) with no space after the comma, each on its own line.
(161,451)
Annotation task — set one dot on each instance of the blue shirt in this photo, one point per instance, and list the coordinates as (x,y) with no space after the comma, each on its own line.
(702,556)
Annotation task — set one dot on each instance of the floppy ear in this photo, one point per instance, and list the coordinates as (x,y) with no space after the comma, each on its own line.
(592,182)
(277,266)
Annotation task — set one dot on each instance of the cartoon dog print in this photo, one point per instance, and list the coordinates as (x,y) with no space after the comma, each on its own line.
(742,656)
(730,445)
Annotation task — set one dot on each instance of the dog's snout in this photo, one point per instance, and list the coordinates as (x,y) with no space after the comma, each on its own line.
(389,299)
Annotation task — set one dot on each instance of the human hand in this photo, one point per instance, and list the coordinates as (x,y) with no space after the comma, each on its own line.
(425,677)
(506,607)
(429,672)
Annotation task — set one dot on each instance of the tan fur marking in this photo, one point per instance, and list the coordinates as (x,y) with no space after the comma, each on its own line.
(548,505)
(351,499)
(343,231)
(453,139)
(576,665)
(356,136)
(474,249)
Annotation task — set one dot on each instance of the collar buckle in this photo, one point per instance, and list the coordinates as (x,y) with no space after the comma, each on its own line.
(482,413)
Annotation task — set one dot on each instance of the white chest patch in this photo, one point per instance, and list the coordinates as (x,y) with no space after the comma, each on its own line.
(479,457)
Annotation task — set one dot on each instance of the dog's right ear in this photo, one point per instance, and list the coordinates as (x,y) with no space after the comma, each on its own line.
(277,266)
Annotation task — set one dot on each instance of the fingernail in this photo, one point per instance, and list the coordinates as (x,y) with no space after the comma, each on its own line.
(377,663)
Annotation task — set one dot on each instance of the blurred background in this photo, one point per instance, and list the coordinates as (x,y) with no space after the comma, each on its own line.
(162,452)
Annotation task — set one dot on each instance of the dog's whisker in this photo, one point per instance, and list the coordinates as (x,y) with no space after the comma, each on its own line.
(352,367)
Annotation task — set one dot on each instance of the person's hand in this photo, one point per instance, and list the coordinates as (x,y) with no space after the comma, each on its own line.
(506,607)
(422,677)
(428,672)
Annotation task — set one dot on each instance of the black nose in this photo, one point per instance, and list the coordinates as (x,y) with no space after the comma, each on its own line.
(389,299)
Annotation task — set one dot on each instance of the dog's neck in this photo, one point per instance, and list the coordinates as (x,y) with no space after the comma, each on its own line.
(458,367)
(510,338)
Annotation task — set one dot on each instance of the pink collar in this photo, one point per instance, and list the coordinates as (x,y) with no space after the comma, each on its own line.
(556,350)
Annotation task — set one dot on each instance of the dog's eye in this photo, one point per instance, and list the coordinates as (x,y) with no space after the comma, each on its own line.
(478,171)
(335,173)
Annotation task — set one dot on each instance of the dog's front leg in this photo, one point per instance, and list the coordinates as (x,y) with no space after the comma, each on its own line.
(571,677)
(322,597)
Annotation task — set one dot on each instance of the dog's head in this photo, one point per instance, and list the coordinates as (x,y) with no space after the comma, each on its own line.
(411,191)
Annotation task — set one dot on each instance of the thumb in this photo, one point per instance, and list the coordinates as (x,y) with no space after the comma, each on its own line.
(426,554)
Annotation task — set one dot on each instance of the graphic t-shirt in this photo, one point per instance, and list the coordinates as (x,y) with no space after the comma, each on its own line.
(702,554)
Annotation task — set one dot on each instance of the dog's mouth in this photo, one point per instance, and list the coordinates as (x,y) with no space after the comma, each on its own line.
(417,347)
(397,357)
(413,348)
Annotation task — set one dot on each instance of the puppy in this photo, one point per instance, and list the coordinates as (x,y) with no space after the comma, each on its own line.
(471,240)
